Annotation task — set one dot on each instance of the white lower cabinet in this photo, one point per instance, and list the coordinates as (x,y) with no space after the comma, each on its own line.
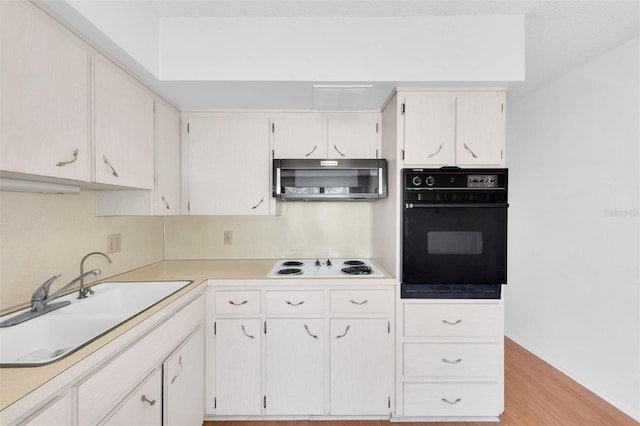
(361,366)
(295,367)
(238,368)
(277,351)
(451,359)
(56,412)
(183,383)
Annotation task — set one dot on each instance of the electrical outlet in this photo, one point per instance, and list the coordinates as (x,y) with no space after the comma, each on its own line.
(228,238)
(114,243)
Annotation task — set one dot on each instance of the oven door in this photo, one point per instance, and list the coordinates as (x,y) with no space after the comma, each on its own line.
(454,244)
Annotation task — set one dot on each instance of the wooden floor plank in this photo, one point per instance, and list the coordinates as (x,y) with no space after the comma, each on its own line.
(536,394)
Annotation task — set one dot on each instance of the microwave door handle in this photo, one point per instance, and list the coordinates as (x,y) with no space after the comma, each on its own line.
(380,181)
(278,186)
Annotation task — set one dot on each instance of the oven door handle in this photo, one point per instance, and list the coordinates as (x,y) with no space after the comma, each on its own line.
(475,205)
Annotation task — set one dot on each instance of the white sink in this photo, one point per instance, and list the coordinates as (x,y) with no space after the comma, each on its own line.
(52,336)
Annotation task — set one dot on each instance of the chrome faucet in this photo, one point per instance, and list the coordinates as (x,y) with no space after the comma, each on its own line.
(40,298)
(82,293)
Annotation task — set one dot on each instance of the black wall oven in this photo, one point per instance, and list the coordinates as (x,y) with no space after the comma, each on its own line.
(454,233)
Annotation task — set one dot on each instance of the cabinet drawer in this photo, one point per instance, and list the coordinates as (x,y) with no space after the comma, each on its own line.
(452,399)
(238,302)
(142,407)
(286,302)
(355,301)
(452,319)
(452,359)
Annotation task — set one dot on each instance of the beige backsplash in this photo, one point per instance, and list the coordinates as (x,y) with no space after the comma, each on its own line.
(43,235)
(312,229)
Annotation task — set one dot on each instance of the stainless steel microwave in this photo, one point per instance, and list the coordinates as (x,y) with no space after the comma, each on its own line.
(329,180)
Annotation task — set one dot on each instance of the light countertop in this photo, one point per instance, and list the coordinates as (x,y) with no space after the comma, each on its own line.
(15,383)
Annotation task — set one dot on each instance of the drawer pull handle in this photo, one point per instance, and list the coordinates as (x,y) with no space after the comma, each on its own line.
(451,402)
(452,323)
(148,401)
(340,336)
(309,333)
(106,161)
(358,303)
(179,372)
(295,304)
(455,361)
(435,153)
(238,304)
(245,332)
(64,163)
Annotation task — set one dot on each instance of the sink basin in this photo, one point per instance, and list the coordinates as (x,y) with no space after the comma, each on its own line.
(56,334)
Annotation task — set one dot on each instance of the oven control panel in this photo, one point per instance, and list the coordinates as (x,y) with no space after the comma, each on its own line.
(482,181)
(446,179)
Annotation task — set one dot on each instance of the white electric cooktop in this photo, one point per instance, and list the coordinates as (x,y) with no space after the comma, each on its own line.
(324,268)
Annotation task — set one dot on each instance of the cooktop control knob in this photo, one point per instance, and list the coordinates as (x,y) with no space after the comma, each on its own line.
(417,180)
(430,181)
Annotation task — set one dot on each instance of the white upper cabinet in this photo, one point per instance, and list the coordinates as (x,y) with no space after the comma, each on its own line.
(354,136)
(480,128)
(454,128)
(299,136)
(228,165)
(45,96)
(330,135)
(429,128)
(168,160)
(123,128)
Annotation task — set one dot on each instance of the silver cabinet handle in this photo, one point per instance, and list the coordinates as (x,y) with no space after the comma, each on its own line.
(344,334)
(457,361)
(452,323)
(64,163)
(106,161)
(358,303)
(166,204)
(259,202)
(309,333)
(147,400)
(338,151)
(295,304)
(451,402)
(311,152)
(435,153)
(238,304)
(245,332)
(179,372)
(473,154)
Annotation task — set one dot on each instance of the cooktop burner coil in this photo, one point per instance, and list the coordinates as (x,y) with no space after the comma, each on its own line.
(290,271)
(353,262)
(292,263)
(357,270)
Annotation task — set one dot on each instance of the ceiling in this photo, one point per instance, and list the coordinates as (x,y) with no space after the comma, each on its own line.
(559,36)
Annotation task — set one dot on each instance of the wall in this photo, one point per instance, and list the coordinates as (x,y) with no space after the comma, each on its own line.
(43,235)
(574,282)
(305,230)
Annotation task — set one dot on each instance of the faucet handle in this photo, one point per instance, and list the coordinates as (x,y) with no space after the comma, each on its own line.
(42,291)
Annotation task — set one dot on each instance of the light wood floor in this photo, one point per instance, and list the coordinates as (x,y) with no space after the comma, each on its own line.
(535,394)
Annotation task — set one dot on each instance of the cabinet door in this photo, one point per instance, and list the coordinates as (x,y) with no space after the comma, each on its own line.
(238,367)
(299,137)
(480,129)
(361,367)
(142,407)
(124,129)
(44,128)
(229,166)
(183,383)
(294,367)
(429,129)
(56,413)
(168,185)
(354,136)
